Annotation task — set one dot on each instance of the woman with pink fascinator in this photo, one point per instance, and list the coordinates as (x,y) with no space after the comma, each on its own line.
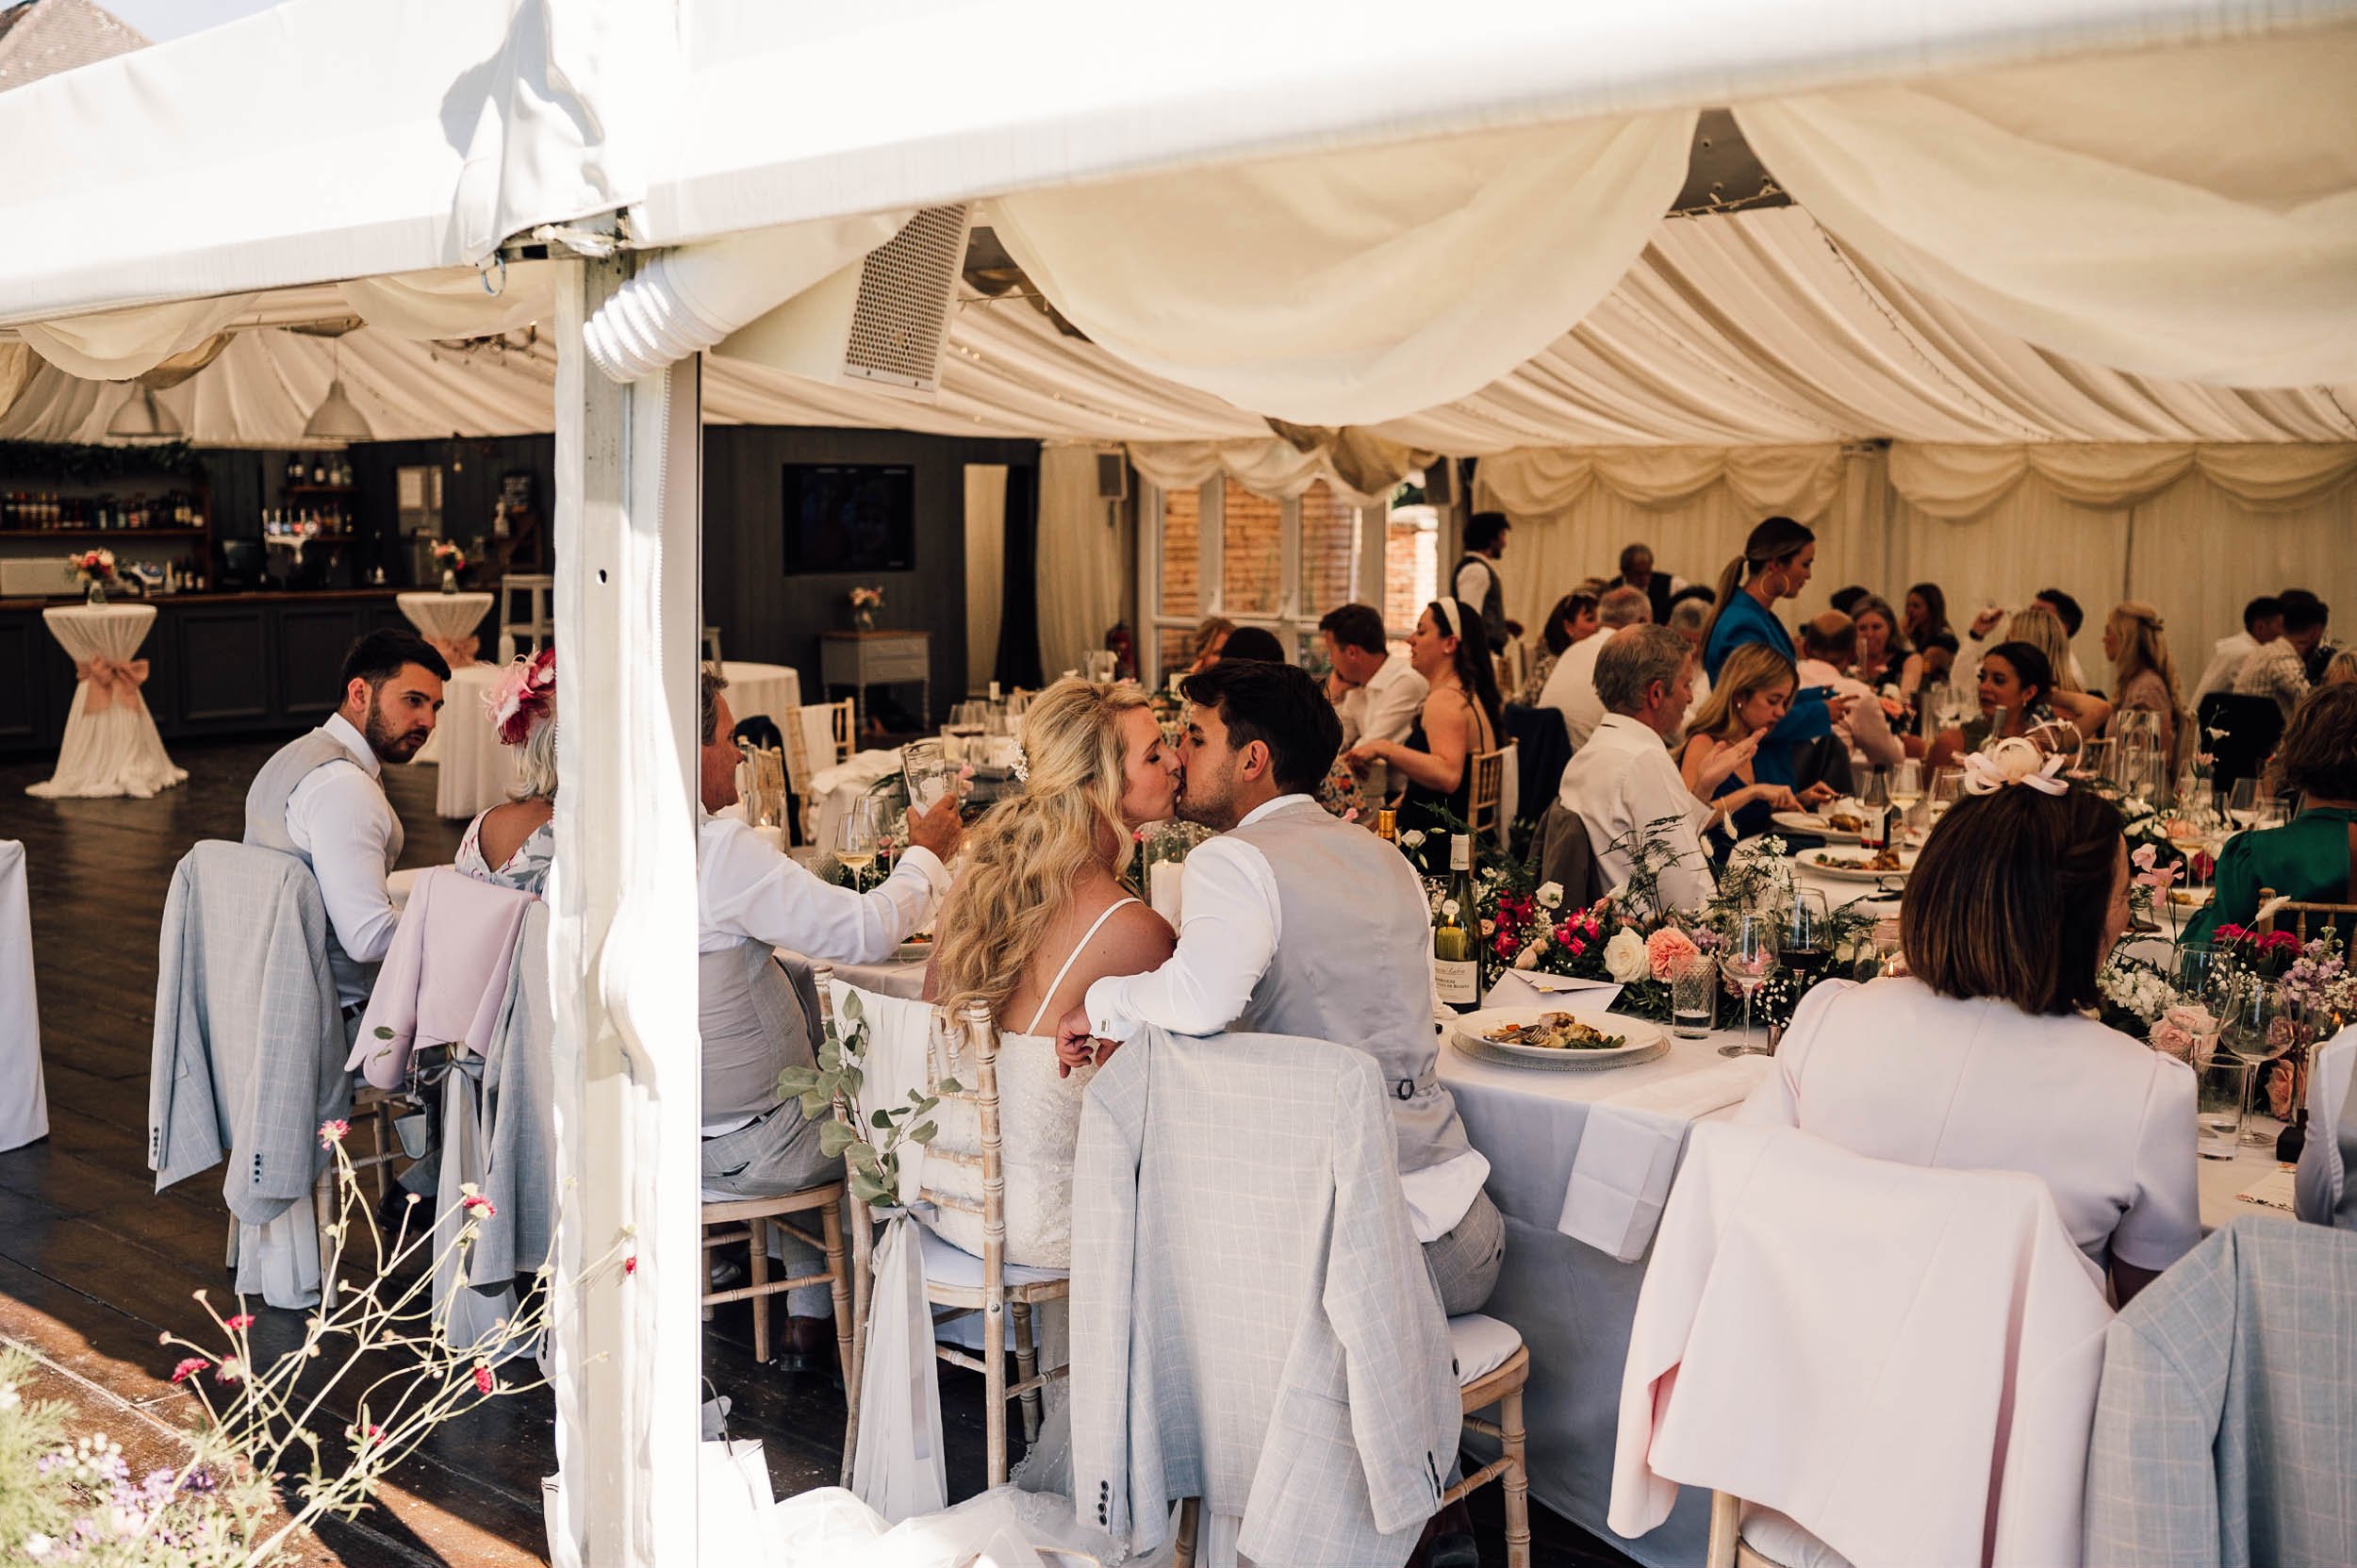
(511,844)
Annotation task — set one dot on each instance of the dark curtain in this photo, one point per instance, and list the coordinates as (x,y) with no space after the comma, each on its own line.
(1019,614)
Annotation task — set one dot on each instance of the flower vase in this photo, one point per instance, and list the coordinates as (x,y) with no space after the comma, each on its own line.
(95,593)
(863,621)
(449,580)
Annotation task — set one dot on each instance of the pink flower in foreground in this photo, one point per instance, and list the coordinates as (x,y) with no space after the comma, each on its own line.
(476,1204)
(483,1381)
(1667,949)
(188,1368)
(630,1265)
(244,1320)
(331,1132)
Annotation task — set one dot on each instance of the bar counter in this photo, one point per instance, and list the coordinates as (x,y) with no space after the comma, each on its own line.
(219,664)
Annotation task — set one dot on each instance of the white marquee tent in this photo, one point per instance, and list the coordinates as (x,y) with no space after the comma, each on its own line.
(2089,268)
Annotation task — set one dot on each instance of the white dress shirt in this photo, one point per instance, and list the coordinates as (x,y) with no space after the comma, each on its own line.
(1473,581)
(1385,708)
(1227,936)
(340,818)
(747,891)
(2225,664)
(1571,689)
(1623,779)
(1895,1071)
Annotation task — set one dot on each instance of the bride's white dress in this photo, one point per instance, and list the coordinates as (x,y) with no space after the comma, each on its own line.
(1039,1129)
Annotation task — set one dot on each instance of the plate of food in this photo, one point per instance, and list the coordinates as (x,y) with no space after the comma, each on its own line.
(1857,865)
(1838,823)
(2189,897)
(918,949)
(1558,1039)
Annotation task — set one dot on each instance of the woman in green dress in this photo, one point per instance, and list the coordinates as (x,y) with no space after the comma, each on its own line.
(2308,859)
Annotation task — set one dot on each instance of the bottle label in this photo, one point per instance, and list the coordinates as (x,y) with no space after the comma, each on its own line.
(1459,982)
(1460,851)
(1870,834)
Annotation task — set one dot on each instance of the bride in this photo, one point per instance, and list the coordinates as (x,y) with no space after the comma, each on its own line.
(1038,916)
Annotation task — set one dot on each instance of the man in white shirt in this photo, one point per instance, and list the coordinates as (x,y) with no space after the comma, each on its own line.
(2262,623)
(1622,786)
(1374,690)
(321,799)
(1299,923)
(1475,581)
(1571,689)
(2279,668)
(751,901)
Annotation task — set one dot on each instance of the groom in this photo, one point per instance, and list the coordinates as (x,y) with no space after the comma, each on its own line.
(1299,923)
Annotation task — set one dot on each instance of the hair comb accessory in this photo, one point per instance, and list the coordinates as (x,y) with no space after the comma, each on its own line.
(524,691)
(2015,761)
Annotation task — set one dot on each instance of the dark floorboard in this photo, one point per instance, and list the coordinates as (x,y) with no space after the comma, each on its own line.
(94,1263)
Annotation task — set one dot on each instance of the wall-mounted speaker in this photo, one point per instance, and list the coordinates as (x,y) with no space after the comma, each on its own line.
(881,322)
(1112,475)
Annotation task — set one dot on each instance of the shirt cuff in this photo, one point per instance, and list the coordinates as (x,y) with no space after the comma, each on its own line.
(1103,1005)
(928,863)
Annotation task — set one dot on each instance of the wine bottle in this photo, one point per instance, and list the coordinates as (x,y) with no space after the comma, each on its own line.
(1457,972)
(1874,821)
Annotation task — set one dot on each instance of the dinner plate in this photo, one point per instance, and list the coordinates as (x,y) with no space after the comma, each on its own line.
(1644,1041)
(1809,861)
(1809,822)
(2189,897)
(913,952)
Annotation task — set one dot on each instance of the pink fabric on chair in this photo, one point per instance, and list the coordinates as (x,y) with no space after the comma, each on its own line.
(446,975)
(1901,1360)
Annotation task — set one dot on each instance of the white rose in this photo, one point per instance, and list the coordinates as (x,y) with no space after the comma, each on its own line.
(1412,838)
(1550,894)
(1625,957)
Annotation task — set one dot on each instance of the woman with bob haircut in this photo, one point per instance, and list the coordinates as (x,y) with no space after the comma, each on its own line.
(1982,1056)
(2312,858)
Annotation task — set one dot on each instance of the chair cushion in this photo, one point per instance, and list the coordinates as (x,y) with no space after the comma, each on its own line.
(1480,1346)
(1783,1543)
(946,1265)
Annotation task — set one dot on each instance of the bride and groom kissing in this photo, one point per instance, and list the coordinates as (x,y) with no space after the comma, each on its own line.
(1296,923)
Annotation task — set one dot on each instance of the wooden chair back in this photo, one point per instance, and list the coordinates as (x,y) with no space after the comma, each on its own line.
(2299,912)
(1489,791)
(843,728)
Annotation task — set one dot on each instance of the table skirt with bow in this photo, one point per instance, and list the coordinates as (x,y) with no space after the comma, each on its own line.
(448,622)
(111,746)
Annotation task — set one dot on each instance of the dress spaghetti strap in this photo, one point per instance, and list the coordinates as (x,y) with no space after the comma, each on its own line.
(1056,984)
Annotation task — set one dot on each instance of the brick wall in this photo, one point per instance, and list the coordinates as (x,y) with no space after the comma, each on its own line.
(1253,545)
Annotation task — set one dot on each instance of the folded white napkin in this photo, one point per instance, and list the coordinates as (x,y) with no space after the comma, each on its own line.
(861,768)
(1529,988)
(1628,1152)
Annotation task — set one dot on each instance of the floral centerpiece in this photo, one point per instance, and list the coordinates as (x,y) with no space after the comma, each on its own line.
(453,561)
(864,603)
(94,569)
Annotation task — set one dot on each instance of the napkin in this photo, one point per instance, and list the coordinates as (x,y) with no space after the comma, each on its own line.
(863,769)
(1529,988)
(1628,1152)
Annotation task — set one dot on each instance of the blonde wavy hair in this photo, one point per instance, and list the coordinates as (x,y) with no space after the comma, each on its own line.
(2144,645)
(1749,670)
(1026,852)
(2042,629)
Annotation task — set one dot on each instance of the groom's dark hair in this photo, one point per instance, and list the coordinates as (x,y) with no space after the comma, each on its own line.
(1281,706)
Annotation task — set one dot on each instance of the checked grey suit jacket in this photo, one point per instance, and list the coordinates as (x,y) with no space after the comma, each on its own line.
(248,1057)
(2226,1427)
(1252,1321)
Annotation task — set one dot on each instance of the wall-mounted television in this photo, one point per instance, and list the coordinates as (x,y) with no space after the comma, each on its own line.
(850,518)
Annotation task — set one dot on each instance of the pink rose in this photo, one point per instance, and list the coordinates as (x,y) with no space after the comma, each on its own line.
(1666,950)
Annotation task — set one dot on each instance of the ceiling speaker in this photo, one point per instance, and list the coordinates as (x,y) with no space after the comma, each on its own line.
(881,322)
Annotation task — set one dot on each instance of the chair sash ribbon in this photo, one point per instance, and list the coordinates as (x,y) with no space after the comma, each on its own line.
(111,681)
(456,651)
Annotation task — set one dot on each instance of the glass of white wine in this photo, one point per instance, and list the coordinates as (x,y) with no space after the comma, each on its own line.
(1906,783)
(858,837)
(1947,789)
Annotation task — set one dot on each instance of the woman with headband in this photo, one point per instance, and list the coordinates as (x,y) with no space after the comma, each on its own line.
(1460,720)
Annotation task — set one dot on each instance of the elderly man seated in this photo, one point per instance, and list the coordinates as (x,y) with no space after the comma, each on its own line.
(753,900)
(1571,688)
(1623,784)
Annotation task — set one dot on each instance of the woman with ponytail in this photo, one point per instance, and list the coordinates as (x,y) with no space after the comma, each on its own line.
(1775,564)
(1038,916)
(1462,717)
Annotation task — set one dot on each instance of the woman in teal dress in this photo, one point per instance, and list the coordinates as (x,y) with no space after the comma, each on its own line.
(2309,858)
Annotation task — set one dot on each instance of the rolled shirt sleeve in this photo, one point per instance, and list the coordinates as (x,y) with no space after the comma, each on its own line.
(1227,937)
(339,818)
(748,890)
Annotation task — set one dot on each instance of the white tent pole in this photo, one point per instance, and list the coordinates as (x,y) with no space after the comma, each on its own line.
(622,959)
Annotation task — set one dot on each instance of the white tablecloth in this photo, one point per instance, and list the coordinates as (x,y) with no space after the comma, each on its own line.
(448,620)
(23,1099)
(766,689)
(111,748)
(475,768)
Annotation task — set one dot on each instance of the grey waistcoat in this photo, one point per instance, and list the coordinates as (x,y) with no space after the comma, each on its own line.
(1353,966)
(754,1025)
(265,825)
(2344,1211)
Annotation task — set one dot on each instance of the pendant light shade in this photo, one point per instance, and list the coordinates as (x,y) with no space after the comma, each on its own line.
(143,419)
(336,419)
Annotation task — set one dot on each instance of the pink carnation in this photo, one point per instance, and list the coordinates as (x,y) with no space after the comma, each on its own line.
(483,1381)
(188,1368)
(1666,950)
(244,1320)
(331,1132)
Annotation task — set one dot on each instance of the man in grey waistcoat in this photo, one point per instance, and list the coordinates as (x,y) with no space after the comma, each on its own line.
(753,900)
(321,799)
(1296,922)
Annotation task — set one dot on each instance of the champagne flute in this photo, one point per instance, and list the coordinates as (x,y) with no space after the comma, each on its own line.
(1748,957)
(858,836)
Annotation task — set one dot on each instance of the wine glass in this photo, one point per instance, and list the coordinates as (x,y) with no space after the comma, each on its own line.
(859,835)
(1906,785)
(1947,789)
(2258,1027)
(930,773)
(1807,936)
(2094,761)
(1748,957)
(1101,664)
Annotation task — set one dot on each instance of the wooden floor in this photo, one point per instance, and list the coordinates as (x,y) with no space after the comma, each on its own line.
(94,1263)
